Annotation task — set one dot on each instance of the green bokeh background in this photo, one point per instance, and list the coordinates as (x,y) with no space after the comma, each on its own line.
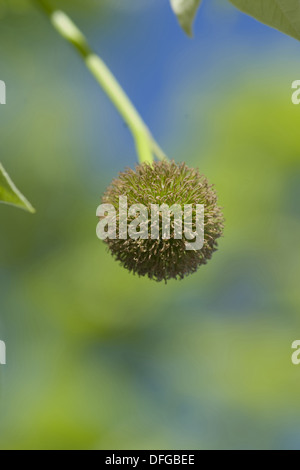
(98,358)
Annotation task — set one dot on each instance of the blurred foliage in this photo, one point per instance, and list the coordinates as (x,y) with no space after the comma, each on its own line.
(97,358)
(186,12)
(9,193)
(17,7)
(283,15)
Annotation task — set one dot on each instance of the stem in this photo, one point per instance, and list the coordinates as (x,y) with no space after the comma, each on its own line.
(146,146)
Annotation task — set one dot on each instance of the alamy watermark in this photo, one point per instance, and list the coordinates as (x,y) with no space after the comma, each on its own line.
(162,221)
(2,353)
(2,92)
(296,353)
(296,93)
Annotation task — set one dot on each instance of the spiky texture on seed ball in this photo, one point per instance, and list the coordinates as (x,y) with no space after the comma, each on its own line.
(164,183)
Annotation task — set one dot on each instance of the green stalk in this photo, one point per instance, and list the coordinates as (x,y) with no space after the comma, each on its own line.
(146,146)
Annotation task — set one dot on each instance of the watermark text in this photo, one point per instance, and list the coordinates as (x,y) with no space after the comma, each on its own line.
(296,93)
(2,353)
(296,353)
(161,222)
(2,92)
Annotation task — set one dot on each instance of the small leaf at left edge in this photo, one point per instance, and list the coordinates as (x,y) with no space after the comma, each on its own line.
(9,193)
(186,10)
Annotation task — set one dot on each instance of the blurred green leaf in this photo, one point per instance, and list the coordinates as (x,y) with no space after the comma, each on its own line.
(9,193)
(283,15)
(186,10)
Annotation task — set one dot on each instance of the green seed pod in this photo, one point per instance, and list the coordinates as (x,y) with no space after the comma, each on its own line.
(164,183)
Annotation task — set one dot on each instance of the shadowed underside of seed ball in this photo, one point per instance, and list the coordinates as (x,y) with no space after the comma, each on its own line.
(164,183)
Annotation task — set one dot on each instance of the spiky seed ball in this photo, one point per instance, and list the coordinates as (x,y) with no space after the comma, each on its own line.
(164,183)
